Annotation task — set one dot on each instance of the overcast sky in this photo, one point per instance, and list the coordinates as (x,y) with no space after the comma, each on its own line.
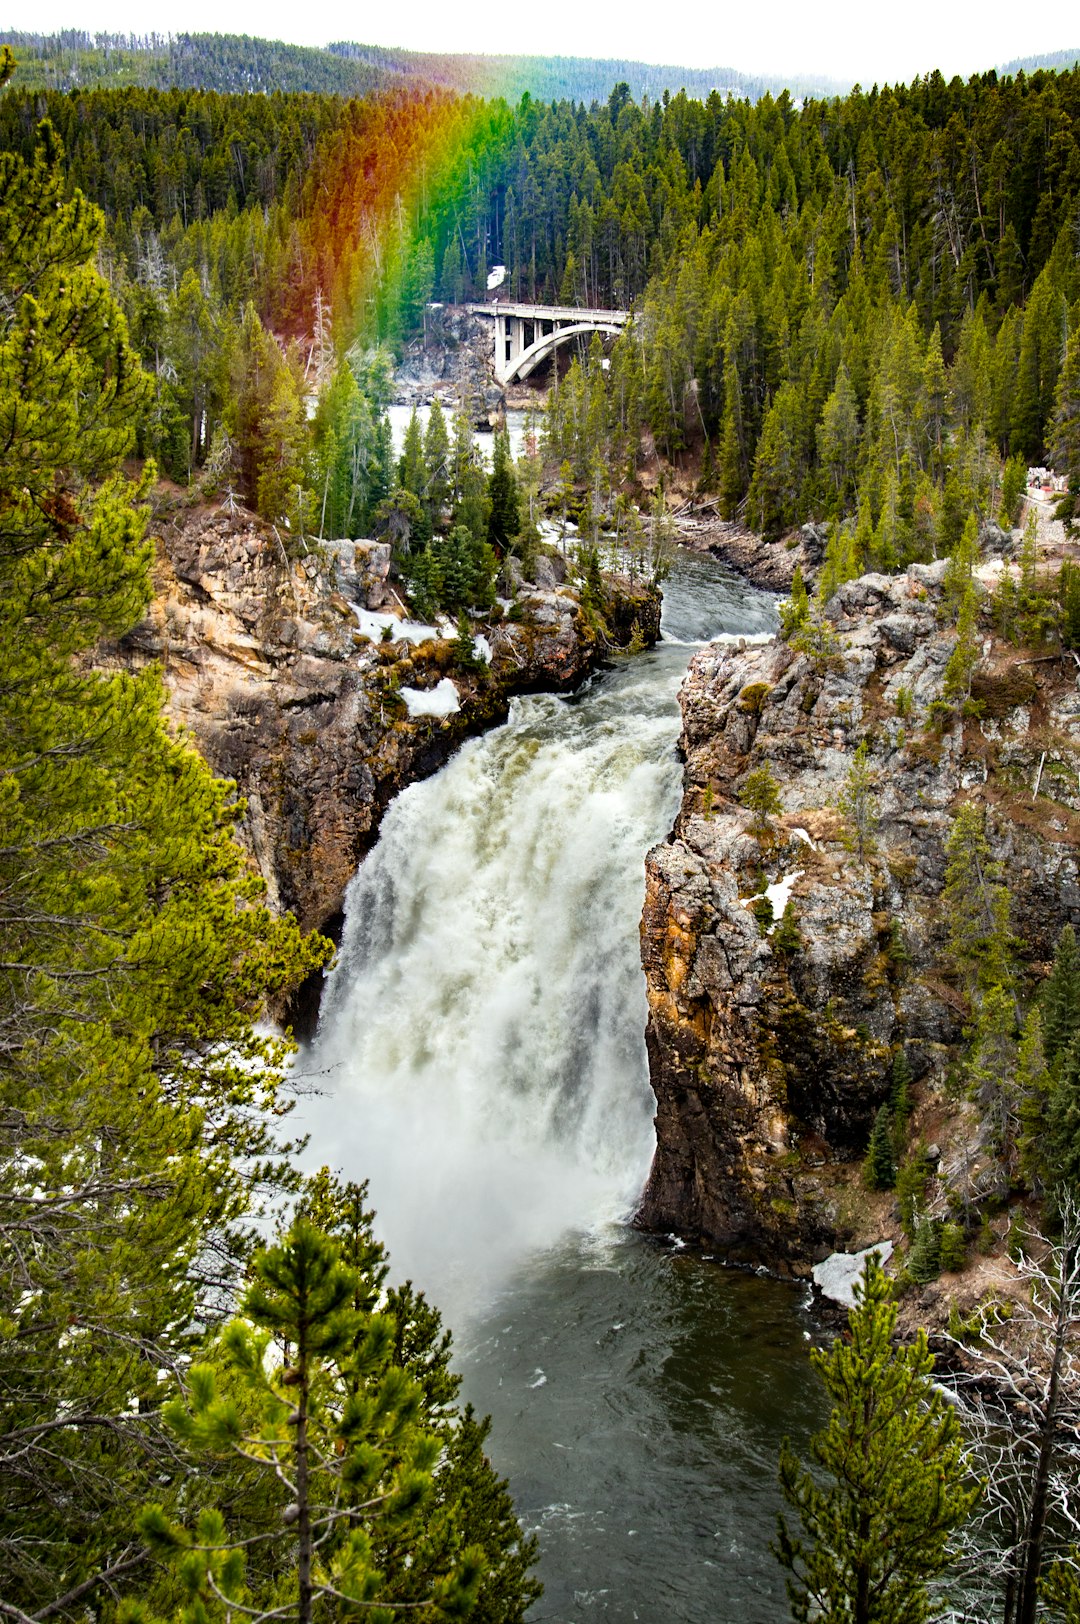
(849,39)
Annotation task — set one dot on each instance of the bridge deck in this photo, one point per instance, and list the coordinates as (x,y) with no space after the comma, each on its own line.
(533,312)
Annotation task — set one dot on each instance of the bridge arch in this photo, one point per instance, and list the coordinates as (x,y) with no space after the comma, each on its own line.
(529,359)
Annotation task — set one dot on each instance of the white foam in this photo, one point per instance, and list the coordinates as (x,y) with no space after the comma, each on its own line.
(483,1027)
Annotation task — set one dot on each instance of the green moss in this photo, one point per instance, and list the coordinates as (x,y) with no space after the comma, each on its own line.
(752,698)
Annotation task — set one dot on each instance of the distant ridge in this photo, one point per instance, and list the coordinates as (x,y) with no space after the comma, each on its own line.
(1054,60)
(586,79)
(75,60)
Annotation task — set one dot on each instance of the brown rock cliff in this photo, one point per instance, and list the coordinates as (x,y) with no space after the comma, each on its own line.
(769,1055)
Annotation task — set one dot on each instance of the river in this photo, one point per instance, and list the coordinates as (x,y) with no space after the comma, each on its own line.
(484,439)
(481,1045)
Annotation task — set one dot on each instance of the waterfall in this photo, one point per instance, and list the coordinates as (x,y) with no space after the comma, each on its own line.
(482,1036)
(482,1033)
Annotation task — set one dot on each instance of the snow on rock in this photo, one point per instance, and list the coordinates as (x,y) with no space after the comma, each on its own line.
(779,892)
(801,834)
(442,700)
(482,649)
(372,624)
(778,895)
(990,572)
(836,1277)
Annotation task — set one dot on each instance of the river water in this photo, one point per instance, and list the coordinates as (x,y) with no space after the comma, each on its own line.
(483,439)
(481,1049)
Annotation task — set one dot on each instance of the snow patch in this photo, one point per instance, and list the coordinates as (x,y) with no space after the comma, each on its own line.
(373,624)
(837,1276)
(993,569)
(801,834)
(778,894)
(442,700)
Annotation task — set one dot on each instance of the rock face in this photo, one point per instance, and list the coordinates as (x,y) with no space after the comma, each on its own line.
(770,1053)
(266,665)
(454,359)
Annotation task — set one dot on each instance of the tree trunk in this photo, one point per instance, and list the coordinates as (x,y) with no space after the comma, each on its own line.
(1031,1557)
(303,1522)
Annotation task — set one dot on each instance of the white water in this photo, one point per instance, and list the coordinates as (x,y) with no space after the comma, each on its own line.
(482,1035)
(484,1024)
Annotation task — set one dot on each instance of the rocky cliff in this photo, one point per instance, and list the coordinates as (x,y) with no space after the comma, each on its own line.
(305,682)
(770,1050)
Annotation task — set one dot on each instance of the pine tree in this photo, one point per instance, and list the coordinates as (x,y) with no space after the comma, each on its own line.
(880,1165)
(858,802)
(437,461)
(412,467)
(966,652)
(924,1258)
(471,1502)
(1033,1084)
(1060,1000)
(991,1062)
(504,519)
(876,1529)
(760,793)
(1060,1590)
(963,557)
(911,1181)
(900,1098)
(137,953)
(1065,442)
(305,1386)
(1061,1144)
(975,904)
(838,438)
(952,1253)
(1013,487)
(795,610)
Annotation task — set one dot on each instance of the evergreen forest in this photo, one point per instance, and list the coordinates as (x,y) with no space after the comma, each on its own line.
(860,312)
(857,309)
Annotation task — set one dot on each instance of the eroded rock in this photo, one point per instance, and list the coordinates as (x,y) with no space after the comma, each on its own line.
(771,1050)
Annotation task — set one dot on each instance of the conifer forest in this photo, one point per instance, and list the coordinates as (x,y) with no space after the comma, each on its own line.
(779,574)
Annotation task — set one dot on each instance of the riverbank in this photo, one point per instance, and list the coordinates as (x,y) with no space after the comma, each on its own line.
(767,564)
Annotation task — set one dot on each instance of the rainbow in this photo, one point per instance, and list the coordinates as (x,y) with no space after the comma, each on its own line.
(397,198)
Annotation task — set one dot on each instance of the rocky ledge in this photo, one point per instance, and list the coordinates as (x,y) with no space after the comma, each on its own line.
(770,1053)
(305,682)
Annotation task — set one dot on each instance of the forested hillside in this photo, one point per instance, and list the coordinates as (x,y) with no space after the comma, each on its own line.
(142,1098)
(73,60)
(856,307)
(861,308)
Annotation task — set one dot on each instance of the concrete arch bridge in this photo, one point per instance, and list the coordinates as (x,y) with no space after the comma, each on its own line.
(527,334)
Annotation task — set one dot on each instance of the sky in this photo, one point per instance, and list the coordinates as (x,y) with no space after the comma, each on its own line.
(843,39)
